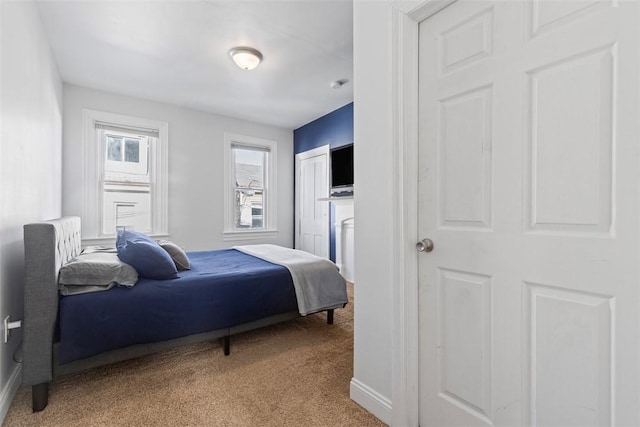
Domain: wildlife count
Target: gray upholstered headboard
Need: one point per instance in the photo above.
(48, 245)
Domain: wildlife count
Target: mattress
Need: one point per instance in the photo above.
(224, 288)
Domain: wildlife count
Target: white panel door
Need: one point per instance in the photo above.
(312, 215)
(529, 189)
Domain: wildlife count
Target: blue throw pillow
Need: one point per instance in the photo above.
(145, 255)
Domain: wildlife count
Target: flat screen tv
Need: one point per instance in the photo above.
(342, 170)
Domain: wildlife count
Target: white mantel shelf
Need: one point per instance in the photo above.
(344, 200)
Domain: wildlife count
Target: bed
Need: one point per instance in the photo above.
(224, 293)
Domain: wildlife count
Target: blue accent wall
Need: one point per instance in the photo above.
(335, 129)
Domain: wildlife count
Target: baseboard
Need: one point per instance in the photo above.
(9, 391)
(370, 400)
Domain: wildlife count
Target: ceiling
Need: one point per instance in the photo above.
(176, 52)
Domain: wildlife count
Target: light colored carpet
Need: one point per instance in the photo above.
(292, 374)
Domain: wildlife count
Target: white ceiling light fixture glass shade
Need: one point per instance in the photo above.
(246, 58)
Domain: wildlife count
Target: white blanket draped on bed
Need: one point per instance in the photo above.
(317, 282)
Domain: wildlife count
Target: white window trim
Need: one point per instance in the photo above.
(271, 227)
(93, 166)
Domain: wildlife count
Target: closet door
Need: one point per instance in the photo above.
(312, 215)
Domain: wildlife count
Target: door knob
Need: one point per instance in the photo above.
(425, 245)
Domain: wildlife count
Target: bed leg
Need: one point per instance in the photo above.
(39, 396)
(227, 345)
(330, 317)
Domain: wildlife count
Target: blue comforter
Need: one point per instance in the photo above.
(223, 288)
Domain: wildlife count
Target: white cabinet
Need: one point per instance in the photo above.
(344, 226)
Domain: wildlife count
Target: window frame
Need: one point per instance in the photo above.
(94, 160)
(270, 205)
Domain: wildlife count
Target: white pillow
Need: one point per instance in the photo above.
(95, 269)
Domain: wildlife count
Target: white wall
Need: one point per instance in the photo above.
(196, 168)
(373, 323)
(30, 159)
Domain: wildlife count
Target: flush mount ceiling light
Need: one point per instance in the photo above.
(246, 58)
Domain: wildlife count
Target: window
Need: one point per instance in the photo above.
(126, 171)
(250, 187)
(126, 179)
(249, 192)
(126, 152)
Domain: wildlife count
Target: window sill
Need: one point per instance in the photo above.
(228, 236)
